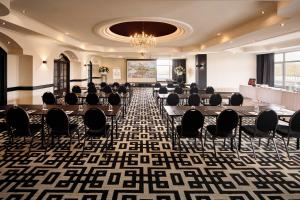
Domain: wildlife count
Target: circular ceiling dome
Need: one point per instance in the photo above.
(4, 7)
(157, 29)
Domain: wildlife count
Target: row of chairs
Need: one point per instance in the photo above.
(179, 89)
(265, 127)
(58, 124)
(72, 99)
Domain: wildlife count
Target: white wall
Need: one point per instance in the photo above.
(190, 69)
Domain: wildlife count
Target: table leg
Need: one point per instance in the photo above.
(173, 134)
(112, 130)
(298, 143)
(43, 131)
(168, 126)
(240, 133)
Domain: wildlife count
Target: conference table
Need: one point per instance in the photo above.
(71, 110)
(213, 111)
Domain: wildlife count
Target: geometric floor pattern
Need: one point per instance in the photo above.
(143, 165)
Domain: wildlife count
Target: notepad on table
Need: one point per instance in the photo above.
(2, 110)
(68, 112)
(253, 113)
(30, 111)
(218, 112)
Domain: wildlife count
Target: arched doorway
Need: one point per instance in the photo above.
(3, 77)
(61, 75)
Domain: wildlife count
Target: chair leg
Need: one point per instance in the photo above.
(237, 150)
(202, 146)
(273, 139)
(253, 148)
(205, 135)
(83, 146)
(215, 152)
(224, 142)
(259, 142)
(286, 148)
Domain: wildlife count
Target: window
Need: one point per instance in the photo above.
(164, 69)
(287, 70)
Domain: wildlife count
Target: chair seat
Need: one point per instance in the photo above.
(212, 129)
(33, 129)
(284, 132)
(98, 132)
(72, 128)
(187, 133)
(252, 131)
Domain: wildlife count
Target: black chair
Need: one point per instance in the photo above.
(194, 100)
(95, 125)
(236, 99)
(71, 98)
(92, 99)
(92, 89)
(173, 99)
(163, 90)
(265, 127)
(114, 99)
(194, 90)
(122, 89)
(103, 84)
(116, 85)
(107, 89)
(59, 125)
(182, 85)
(290, 131)
(49, 98)
(157, 85)
(191, 122)
(209, 90)
(226, 127)
(127, 85)
(91, 84)
(170, 85)
(193, 85)
(178, 90)
(76, 89)
(215, 99)
(18, 125)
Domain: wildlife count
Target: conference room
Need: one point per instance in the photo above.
(143, 99)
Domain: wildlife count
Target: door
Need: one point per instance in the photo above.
(61, 75)
(3, 77)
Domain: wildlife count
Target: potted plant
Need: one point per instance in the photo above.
(103, 70)
(179, 70)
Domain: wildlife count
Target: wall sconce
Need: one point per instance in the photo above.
(44, 61)
(201, 66)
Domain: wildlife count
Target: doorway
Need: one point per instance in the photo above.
(61, 75)
(3, 77)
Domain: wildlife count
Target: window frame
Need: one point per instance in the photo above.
(169, 65)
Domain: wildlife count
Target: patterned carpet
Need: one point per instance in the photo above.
(142, 165)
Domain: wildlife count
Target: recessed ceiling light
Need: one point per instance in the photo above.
(230, 41)
(67, 33)
(219, 34)
(24, 11)
(8, 42)
(282, 24)
(262, 12)
(3, 23)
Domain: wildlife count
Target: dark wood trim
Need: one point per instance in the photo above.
(3, 77)
(38, 87)
(97, 77)
(78, 80)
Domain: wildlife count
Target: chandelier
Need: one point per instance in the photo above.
(142, 41)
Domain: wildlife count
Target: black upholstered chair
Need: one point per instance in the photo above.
(265, 127)
(114, 99)
(49, 98)
(122, 89)
(163, 90)
(76, 89)
(194, 100)
(209, 90)
(182, 85)
(59, 125)
(290, 131)
(178, 90)
(193, 85)
(215, 100)
(173, 99)
(92, 99)
(225, 127)
(194, 90)
(92, 89)
(127, 85)
(91, 84)
(191, 126)
(71, 98)
(157, 85)
(107, 89)
(95, 126)
(116, 85)
(103, 84)
(236, 99)
(19, 125)
(170, 85)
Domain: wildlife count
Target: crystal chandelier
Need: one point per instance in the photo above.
(142, 41)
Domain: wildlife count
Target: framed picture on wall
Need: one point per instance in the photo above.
(116, 73)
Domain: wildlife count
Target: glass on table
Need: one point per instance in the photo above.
(110, 108)
(80, 107)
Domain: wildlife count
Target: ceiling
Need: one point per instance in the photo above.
(215, 25)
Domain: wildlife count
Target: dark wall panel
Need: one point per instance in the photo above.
(201, 70)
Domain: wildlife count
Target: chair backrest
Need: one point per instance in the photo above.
(193, 85)
(194, 100)
(178, 90)
(92, 89)
(170, 85)
(76, 89)
(49, 98)
(57, 120)
(209, 90)
(90, 84)
(114, 99)
(107, 89)
(157, 85)
(103, 84)
(92, 99)
(17, 118)
(94, 119)
(182, 85)
(116, 84)
(227, 121)
(267, 121)
(191, 122)
(122, 89)
(127, 85)
(236, 99)
(173, 99)
(163, 90)
(294, 123)
(215, 99)
(194, 90)
(71, 98)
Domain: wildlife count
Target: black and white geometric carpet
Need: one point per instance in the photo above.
(142, 165)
